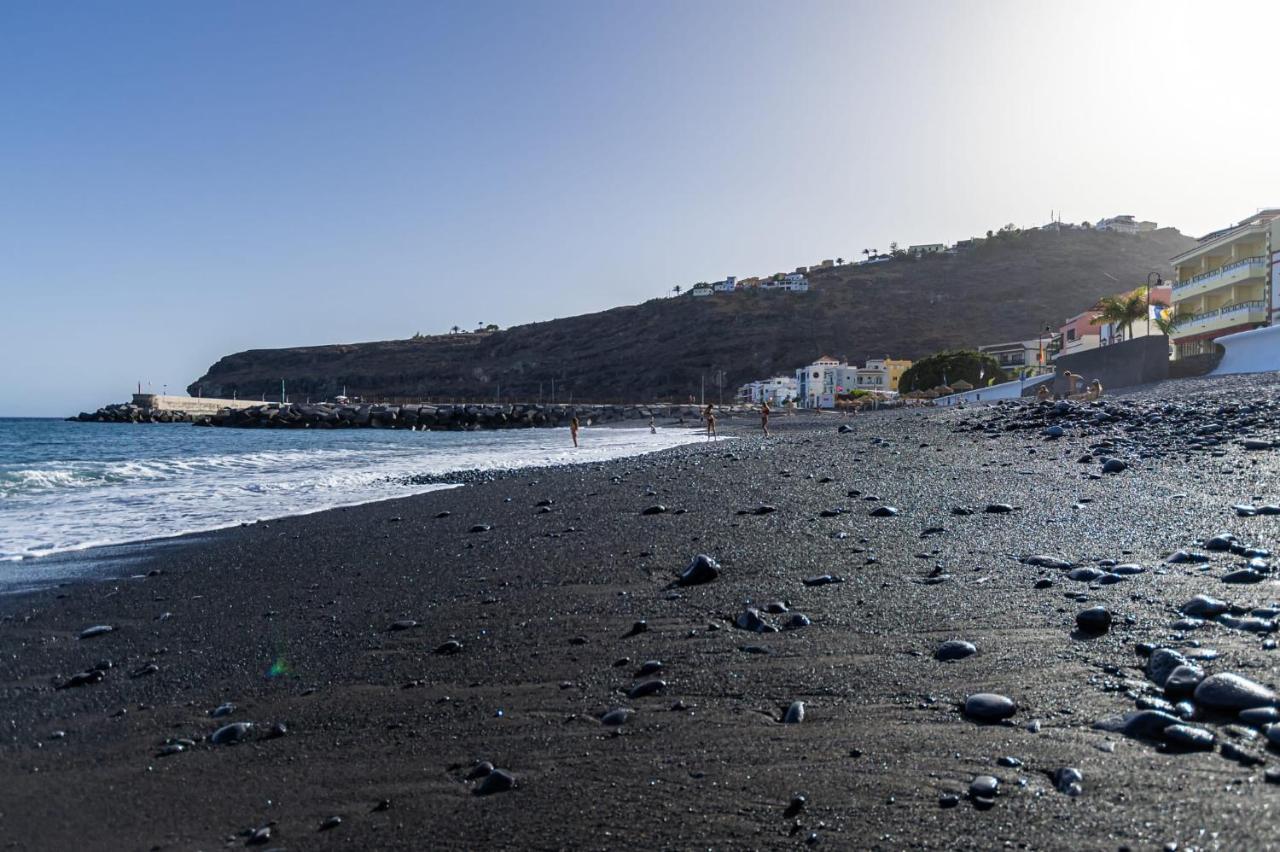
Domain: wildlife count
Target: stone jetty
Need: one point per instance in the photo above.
(421, 417)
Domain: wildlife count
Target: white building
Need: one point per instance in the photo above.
(728, 285)
(816, 384)
(776, 391)
(926, 248)
(701, 290)
(793, 283)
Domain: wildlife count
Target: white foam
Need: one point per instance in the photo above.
(53, 506)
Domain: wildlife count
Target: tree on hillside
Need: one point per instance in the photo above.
(454, 329)
(676, 289)
(973, 367)
(839, 261)
(1122, 311)
(867, 252)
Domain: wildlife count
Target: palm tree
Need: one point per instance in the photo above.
(454, 330)
(1122, 311)
(839, 261)
(676, 289)
(867, 252)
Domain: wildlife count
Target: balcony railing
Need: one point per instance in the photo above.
(1188, 324)
(1221, 271)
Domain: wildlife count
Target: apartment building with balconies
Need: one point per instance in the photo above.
(1223, 283)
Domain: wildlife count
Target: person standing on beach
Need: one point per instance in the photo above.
(653, 429)
(764, 417)
(710, 416)
(573, 429)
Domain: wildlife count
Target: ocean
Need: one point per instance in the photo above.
(73, 486)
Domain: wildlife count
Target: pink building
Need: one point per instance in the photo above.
(1080, 332)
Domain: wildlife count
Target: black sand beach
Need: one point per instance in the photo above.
(291, 621)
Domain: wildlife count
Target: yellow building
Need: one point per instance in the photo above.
(1222, 283)
(881, 374)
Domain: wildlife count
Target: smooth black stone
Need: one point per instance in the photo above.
(234, 733)
(794, 714)
(647, 687)
(1228, 691)
(1189, 737)
(479, 528)
(1095, 620)
(883, 512)
(954, 649)
(450, 646)
(654, 510)
(822, 580)
(989, 707)
(96, 630)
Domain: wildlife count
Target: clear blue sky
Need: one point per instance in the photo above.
(183, 180)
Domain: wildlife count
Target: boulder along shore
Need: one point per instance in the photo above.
(939, 629)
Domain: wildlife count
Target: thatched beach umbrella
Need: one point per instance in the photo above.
(943, 390)
(962, 385)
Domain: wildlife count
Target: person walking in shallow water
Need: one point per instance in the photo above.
(710, 416)
(764, 417)
(573, 429)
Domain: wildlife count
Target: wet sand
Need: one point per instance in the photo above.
(291, 620)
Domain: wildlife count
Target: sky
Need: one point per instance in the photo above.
(180, 181)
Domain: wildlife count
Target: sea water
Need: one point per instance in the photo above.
(70, 486)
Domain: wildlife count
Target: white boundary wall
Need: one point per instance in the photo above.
(994, 393)
(1253, 351)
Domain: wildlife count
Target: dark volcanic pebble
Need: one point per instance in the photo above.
(822, 580)
(1203, 606)
(883, 512)
(479, 528)
(796, 621)
(794, 714)
(96, 630)
(234, 733)
(989, 707)
(497, 781)
(649, 667)
(1114, 466)
(1095, 620)
(331, 822)
(954, 649)
(404, 624)
(82, 679)
(998, 509)
(1189, 737)
(1227, 691)
(1182, 681)
(702, 569)
(449, 646)
(615, 717)
(647, 687)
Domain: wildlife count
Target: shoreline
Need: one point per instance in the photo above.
(291, 621)
(418, 482)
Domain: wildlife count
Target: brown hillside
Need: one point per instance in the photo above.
(1003, 290)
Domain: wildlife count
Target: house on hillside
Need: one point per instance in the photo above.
(1225, 282)
(1124, 224)
(728, 285)
(702, 289)
(926, 248)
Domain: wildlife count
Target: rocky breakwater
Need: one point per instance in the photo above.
(127, 412)
(436, 417)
